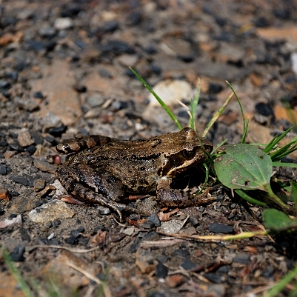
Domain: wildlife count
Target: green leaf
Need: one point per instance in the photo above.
(276, 220)
(244, 167)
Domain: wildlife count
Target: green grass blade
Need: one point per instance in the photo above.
(193, 107)
(275, 140)
(218, 147)
(280, 164)
(283, 151)
(248, 198)
(282, 283)
(17, 275)
(245, 122)
(216, 115)
(161, 102)
(245, 130)
(293, 293)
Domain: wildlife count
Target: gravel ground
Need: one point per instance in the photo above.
(64, 71)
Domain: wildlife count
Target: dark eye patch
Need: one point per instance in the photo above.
(188, 154)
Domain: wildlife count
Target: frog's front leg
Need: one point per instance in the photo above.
(91, 186)
(176, 197)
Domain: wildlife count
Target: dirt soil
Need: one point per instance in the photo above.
(64, 71)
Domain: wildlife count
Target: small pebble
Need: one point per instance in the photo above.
(48, 224)
(4, 194)
(104, 73)
(55, 209)
(13, 75)
(71, 240)
(223, 269)
(194, 221)
(154, 219)
(39, 184)
(128, 60)
(18, 254)
(214, 277)
(242, 258)
(161, 270)
(221, 228)
(75, 234)
(264, 109)
(31, 149)
(145, 261)
(116, 47)
(218, 290)
(51, 139)
(56, 223)
(170, 91)
(4, 85)
(37, 137)
(215, 88)
(147, 225)
(57, 131)
(16, 147)
(25, 234)
(95, 100)
(80, 88)
(188, 265)
(134, 18)
(63, 23)
(51, 236)
(21, 180)
(151, 236)
(9, 154)
(44, 166)
(38, 95)
(268, 272)
(47, 32)
(110, 26)
(173, 226)
(182, 253)
(49, 121)
(24, 138)
(103, 210)
(157, 294)
(3, 169)
(174, 280)
(25, 14)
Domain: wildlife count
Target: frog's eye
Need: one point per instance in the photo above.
(188, 154)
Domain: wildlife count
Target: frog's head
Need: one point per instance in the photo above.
(186, 150)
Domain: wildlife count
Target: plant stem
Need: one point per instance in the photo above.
(276, 199)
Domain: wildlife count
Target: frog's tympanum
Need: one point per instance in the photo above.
(102, 170)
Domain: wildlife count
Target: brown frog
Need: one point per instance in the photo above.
(102, 170)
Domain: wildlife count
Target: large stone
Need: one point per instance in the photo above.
(57, 83)
(53, 210)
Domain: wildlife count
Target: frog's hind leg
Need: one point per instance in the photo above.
(85, 194)
(78, 144)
